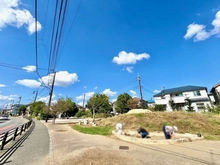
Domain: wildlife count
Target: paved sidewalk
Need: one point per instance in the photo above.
(71, 147)
(34, 149)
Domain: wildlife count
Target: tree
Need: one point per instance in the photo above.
(121, 104)
(99, 103)
(189, 104)
(133, 103)
(63, 106)
(71, 108)
(22, 110)
(38, 108)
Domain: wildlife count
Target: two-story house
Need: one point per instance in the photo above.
(181, 96)
(216, 93)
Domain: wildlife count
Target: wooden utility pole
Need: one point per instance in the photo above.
(51, 94)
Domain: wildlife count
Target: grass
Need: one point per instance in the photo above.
(99, 130)
(206, 124)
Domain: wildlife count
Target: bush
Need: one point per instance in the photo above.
(159, 107)
(83, 113)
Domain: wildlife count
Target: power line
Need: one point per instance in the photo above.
(51, 43)
(74, 18)
(125, 84)
(15, 66)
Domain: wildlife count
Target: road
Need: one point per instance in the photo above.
(12, 122)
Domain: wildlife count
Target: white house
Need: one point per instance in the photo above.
(197, 95)
(215, 91)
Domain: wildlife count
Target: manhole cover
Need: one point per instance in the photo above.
(61, 130)
(124, 147)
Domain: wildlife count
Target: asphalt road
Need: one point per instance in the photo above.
(12, 122)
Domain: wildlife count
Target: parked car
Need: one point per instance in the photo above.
(4, 117)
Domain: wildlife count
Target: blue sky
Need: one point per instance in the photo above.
(105, 45)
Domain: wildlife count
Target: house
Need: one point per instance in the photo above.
(215, 91)
(181, 97)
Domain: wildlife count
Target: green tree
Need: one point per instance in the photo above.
(190, 108)
(99, 103)
(22, 110)
(70, 108)
(38, 108)
(121, 104)
(63, 106)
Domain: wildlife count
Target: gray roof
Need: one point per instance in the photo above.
(179, 90)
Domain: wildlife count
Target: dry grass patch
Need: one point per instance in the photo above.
(206, 124)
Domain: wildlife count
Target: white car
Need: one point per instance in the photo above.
(4, 117)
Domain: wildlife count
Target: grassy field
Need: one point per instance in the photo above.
(206, 124)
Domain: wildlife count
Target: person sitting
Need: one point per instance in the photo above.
(143, 132)
(169, 131)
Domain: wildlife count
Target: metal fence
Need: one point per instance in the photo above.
(11, 134)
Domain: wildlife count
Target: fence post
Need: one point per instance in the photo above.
(15, 134)
(21, 129)
(4, 140)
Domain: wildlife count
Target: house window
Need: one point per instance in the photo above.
(200, 106)
(197, 93)
(178, 94)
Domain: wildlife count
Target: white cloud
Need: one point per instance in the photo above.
(199, 32)
(29, 68)
(63, 79)
(13, 15)
(133, 93)
(129, 69)
(46, 99)
(157, 91)
(11, 97)
(113, 100)
(80, 103)
(129, 58)
(29, 83)
(96, 88)
(87, 96)
(108, 92)
(2, 85)
(216, 24)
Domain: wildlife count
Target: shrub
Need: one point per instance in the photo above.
(159, 107)
(83, 113)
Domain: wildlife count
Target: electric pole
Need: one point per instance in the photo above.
(84, 96)
(139, 82)
(36, 93)
(19, 100)
(51, 94)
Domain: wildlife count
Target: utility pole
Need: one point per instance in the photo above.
(51, 94)
(84, 96)
(139, 82)
(19, 100)
(18, 105)
(36, 93)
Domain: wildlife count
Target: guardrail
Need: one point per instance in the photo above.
(11, 134)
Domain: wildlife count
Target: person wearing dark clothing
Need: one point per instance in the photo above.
(169, 131)
(143, 132)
